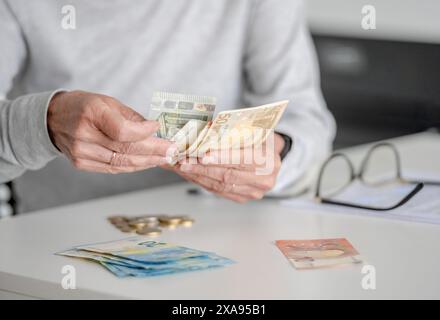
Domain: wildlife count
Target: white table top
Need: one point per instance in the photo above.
(406, 255)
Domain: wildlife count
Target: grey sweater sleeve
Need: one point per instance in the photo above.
(280, 63)
(24, 139)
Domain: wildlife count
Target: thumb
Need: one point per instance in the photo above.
(118, 128)
(130, 114)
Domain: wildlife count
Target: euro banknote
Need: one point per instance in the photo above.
(142, 257)
(174, 110)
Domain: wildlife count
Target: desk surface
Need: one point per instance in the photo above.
(406, 255)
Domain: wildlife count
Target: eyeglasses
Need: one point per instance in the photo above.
(367, 177)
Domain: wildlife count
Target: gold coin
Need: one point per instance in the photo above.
(136, 224)
(152, 224)
(187, 222)
(126, 229)
(120, 224)
(116, 219)
(168, 226)
(170, 220)
(152, 232)
(148, 219)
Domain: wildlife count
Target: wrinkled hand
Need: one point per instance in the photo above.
(237, 178)
(99, 133)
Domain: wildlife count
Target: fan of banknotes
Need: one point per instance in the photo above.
(187, 120)
(141, 257)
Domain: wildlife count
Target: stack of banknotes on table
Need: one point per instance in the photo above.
(142, 257)
(188, 121)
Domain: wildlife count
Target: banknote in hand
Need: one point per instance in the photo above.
(174, 110)
(187, 121)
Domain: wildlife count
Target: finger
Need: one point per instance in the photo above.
(245, 159)
(156, 146)
(246, 191)
(90, 151)
(127, 160)
(231, 176)
(223, 174)
(149, 146)
(189, 177)
(118, 128)
(127, 112)
(95, 166)
(131, 114)
(212, 186)
(235, 197)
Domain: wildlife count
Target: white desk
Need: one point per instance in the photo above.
(406, 255)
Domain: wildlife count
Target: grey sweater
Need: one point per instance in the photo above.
(243, 52)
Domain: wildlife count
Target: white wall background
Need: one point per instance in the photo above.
(406, 20)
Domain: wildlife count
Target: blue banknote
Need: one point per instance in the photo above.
(143, 257)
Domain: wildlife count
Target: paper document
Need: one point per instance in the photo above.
(423, 207)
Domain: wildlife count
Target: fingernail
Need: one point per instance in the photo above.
(186, 167)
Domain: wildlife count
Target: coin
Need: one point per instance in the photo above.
(137, 225)
(120, 223)
(116, 219)
(168, 226)
(166, 220)
(152, 224)
(126, 228)
(144, 222)
(152, 232)
(149, 224)
(187, 222)
(148, 218)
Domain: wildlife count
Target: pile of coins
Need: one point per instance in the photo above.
(149, 225)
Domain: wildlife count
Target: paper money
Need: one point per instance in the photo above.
(141, 257)
(187, 120)
(241, 128)
(174, 110)
(310, 254)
